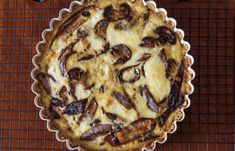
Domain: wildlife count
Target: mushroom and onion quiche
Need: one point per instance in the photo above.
(112, 75)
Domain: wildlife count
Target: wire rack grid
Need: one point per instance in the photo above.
(209, 26)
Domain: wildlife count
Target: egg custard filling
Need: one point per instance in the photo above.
(112, 76)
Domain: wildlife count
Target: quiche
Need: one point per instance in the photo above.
(112, 75)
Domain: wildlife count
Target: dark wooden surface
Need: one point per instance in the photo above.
(209, 27)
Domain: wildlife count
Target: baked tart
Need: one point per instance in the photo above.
(112, 75)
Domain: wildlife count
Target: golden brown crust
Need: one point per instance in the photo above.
(178, 78)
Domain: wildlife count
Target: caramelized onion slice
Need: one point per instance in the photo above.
(171, 68)
(123, 99)
(75, 21)
(43, 79)
(134, 131)
(65, 54)
(96, 131)
(151, 102)
(90, 110)
(175, 99)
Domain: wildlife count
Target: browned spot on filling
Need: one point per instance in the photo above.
(109, 102)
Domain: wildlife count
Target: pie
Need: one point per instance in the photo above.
(112, 75)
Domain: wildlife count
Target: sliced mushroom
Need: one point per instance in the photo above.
(66, 53)
(175, 99)
(166, 35)
(86, 85)
(126, 23)
(117, 127)
(71, 25)
(81, 77)
(121, 53)
(100, 28)
(75, 21)
(148, 42)
(90, 110)
(77, 74)
(129, 74)
(72, 85)
(144, 57)
(63, 93)
(96, 131)
(134, 131)
(75, 107)
(57, 102)
(163, 56)
(87, 57)
(95, 122)
(109, 115)
(142, 69)
(171, 68)
(151, 102)
(53, 113)
(86, 13)
(63, 63)
(112, 14)
(123, 99)
(44, 79)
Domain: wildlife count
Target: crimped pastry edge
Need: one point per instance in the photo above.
(188, 62)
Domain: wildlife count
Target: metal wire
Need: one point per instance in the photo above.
(209, 123)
